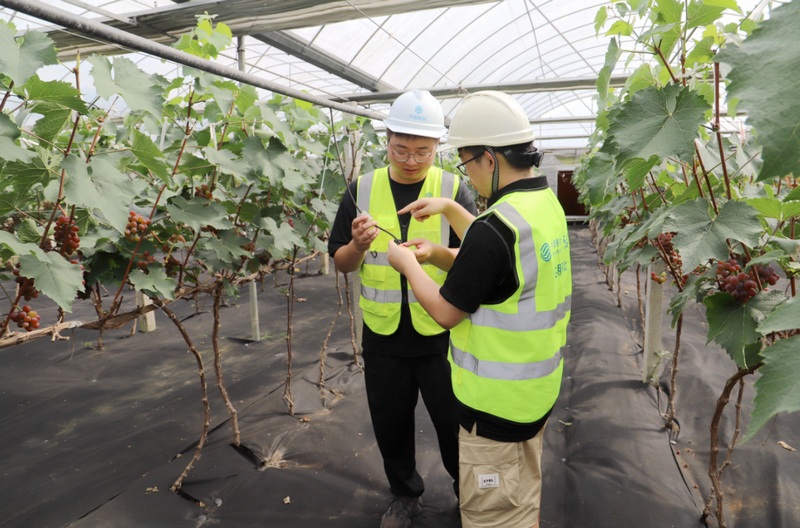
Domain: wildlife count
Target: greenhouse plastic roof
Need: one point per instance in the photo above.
(546, 52)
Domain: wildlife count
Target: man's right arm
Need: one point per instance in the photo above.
(349, 257)
(351, 235)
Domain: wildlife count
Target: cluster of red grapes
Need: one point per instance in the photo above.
(204, 191)
(145, 261)
(661, 279)
(136, 227)
(66, 236)
(26, 318)
(741, 285)
(665, 242)
(26, 289)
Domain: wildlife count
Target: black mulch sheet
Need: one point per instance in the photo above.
(95, 438)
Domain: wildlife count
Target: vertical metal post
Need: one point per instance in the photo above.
(240, 52)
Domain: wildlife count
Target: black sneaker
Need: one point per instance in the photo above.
(400, 512)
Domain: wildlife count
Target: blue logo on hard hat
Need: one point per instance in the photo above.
(546, 255)
(418, 109)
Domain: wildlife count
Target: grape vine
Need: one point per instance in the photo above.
(199, 188)
(665, 183)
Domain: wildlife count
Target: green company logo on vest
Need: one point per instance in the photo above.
(545, 252)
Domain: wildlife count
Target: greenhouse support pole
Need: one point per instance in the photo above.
(127, 40)
(653, 321)
(255, 329)
(240, 53)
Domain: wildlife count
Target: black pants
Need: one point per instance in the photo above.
(393, 385)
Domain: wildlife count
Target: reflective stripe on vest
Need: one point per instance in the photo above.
(505, 371)
(381, 296)
(507, 358)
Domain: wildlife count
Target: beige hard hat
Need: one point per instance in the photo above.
(489, 118)
(417, 113)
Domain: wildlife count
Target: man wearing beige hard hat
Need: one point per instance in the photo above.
(506, 301)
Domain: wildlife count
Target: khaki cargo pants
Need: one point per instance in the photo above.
(500, 482)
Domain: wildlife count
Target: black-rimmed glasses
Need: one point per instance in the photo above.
(462, 167)
(419, 157)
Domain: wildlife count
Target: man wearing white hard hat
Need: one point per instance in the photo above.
(404, 349)
(507, 301)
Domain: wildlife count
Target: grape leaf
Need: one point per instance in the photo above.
(733, 325)
(773, 208)
(136, 87)
(612, 56)
(700, 13)
(22, 248)
(150, 155)
(58, 92)
(601, 177)
(667, 15)
(8, 129)
(54, 276)
(10, 151)
(777, 389)
(154, 283)
(793, 195)
(28, 231)
(701, 237)
(284, 238)
(636, 171)
(785, 317)
(99, 185)
(727, 4)
(658, 122)
(23, 56)
(25, 176)
(228, 162)
(13, 202)
(228, 246)
(197, 214)
(274, 163)
(54, 118)
(764, 77)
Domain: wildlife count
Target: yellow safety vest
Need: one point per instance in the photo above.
(507, 358)
(381, 295)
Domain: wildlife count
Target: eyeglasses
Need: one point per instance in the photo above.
(462, 167)
(403, 157)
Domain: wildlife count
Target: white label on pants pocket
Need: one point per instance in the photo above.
(490, 480)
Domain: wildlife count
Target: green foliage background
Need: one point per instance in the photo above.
(660, 165)
(233, 185)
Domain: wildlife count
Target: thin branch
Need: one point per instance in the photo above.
(7, 95)
(219, 292)
(176, 486)
(707, 179)
(713, 472)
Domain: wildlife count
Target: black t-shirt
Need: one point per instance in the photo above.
(484, 272)
(406, 341)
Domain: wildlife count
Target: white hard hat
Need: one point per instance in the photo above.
(417, 113)
(489, 118)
